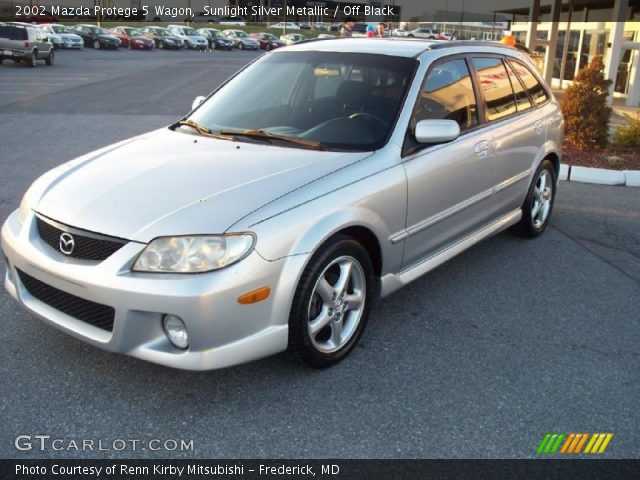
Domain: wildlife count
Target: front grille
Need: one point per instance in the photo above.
(96, 314)
(86, 247)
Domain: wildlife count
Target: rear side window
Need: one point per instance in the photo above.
(447, 94)
(13, 33)
(534, 87)
(522, 98)
(496, 87)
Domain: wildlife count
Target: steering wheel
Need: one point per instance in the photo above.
(368, 116)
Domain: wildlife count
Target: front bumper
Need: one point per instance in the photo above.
(222, 332)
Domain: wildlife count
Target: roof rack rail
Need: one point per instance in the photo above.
(468, 43)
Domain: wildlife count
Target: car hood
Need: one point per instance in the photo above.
(174, 183)
(70, 36)
(141, 38)
(108, 37)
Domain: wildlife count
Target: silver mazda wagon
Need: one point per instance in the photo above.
(316, 180)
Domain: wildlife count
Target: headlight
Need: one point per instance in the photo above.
(194, 254)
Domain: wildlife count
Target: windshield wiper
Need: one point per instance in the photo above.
(202, 130)
(263, 134)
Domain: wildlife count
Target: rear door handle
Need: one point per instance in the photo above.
(539, 127)
(482, 148)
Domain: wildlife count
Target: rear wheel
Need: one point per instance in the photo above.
(33, 60)
(332, 303)
(161, 44)
(129, 45)
(538, 205)
(267, 47)
(96, 44)
(49, 60)
(240, 45)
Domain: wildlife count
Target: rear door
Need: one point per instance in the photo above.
(517, 128)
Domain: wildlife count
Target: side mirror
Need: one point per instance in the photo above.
(197, 102)
(437, 131)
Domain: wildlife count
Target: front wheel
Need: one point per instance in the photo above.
(96, 44)
(332, 303)
(538, 205)
(240, 46)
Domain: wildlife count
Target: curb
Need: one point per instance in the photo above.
(600, 176)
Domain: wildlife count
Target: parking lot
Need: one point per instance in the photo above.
(480, 358)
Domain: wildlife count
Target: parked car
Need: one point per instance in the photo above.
(292, 38)
(351, 169)
(216, 39)
(61, 36)
(321, 26)
(133, 38)
(96, 37)
(287, 25)
(427, 33)
(305, 26)
(204, 17)
(325, 36)
(241, 40)
(190, 36)
(24, 43)
(335, 27)
(162, 37)
(234, 21)
(267, 41)
(399, 32)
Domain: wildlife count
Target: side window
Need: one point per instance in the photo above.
(522, 98)
(447, 94)
(496, 87)
(531, 83)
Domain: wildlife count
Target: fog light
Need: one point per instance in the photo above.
(175, 331)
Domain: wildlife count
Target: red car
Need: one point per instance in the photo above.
(267, 41)
(133, 38)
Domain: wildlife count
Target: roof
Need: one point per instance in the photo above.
(399, 47)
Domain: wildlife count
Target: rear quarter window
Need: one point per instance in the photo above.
(13, 33)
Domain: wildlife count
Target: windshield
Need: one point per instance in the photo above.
(241, 34)
(271, 37)
(161, 33)
(344, 101)
(190, 31)
(60, 29)
(133, 32)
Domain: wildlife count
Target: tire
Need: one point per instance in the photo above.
(49, 60)
(129, 45)
(240, 46)
(1, 60)
(96, 44)
(538, 204)
(33, 60)
(339, 314)
(411, 36)
(267, 47)
(160, 44)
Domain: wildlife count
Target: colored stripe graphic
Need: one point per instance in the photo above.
(573, 443)
(598, 443)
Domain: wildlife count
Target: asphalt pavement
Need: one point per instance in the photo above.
(480, 358)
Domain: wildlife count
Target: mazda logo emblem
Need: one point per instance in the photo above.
(67, 243)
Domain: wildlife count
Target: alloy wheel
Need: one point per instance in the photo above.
(542, 198)
(337, 304)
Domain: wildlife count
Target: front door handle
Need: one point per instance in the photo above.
(482, 148)
(539, 127)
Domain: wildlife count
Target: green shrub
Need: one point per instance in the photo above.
(585, 108)
(628, 135)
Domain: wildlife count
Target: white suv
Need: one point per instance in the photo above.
(190, 36)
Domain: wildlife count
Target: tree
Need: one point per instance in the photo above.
(585, 109)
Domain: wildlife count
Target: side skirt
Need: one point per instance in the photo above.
(394, 281)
